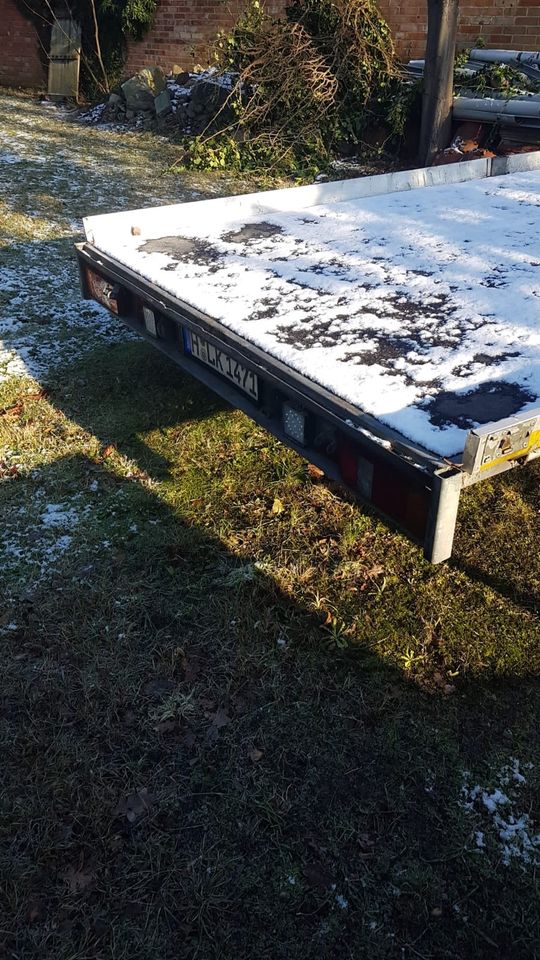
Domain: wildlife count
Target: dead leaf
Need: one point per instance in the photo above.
(375, 571)
(207, 703)
(314, 472)
(277, 506)
(166, 726)
(221, 718)
(13, 411)
(255, 754)
(192, 668)
(135, 806)
(79, 878)
(38, 394)
(34, 912)
(107, 452)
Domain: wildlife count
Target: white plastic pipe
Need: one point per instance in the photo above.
(532, 58)
(526, 112)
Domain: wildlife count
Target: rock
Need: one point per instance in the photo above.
(115, 99)
(182, 115)
(181, 77)
(141, 90)
(194, 109)
(162, 103)
(208, 96)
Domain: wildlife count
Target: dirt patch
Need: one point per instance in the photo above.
(253, 231)
(488, 403)
(183, 249)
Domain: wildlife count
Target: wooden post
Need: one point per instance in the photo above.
(438, 78)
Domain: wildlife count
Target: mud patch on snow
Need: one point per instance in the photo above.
(253, 231)
(183, 250)
(487, 403)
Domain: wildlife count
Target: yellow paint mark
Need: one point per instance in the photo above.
(534, 441)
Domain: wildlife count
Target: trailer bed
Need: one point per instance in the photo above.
(420, 308)
(388, 333)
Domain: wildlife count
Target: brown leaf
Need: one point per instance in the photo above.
(107, 452)
(375, 571)
(314, 472)
(192, 669)
(8, 470)
(79, 878)
(34, 912)
(207, 703)
(38, 394)
(166, 726)
(221, 718)
(135, 806)
(255, 754)
(13, 411)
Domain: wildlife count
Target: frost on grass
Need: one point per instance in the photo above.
(500, 823)
(52, 172)
(36, 538)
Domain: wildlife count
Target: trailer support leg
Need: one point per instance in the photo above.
(442, 516)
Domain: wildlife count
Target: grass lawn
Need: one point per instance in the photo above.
(240, 718)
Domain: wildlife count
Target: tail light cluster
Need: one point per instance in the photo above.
(109, 294)
(404, 499)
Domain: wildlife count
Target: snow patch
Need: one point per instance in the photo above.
(420, 308)
(500, 822)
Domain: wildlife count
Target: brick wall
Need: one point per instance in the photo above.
(504, 24)
(184, 30)
(20, 61)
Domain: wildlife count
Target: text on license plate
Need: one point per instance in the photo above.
(222, 363)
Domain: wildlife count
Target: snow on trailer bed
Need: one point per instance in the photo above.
(421, 308)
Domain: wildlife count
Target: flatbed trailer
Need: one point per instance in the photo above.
(312, 309)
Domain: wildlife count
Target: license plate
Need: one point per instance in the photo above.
(222, 363)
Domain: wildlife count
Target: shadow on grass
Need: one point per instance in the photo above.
(192, 767)
(170, 398)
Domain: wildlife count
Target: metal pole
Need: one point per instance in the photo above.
(442, 517)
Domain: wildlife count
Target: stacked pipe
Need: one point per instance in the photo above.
(520, 110)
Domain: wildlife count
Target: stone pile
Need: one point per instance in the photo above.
(189, 103)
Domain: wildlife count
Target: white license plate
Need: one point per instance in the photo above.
(222, 363)
(150, 321)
